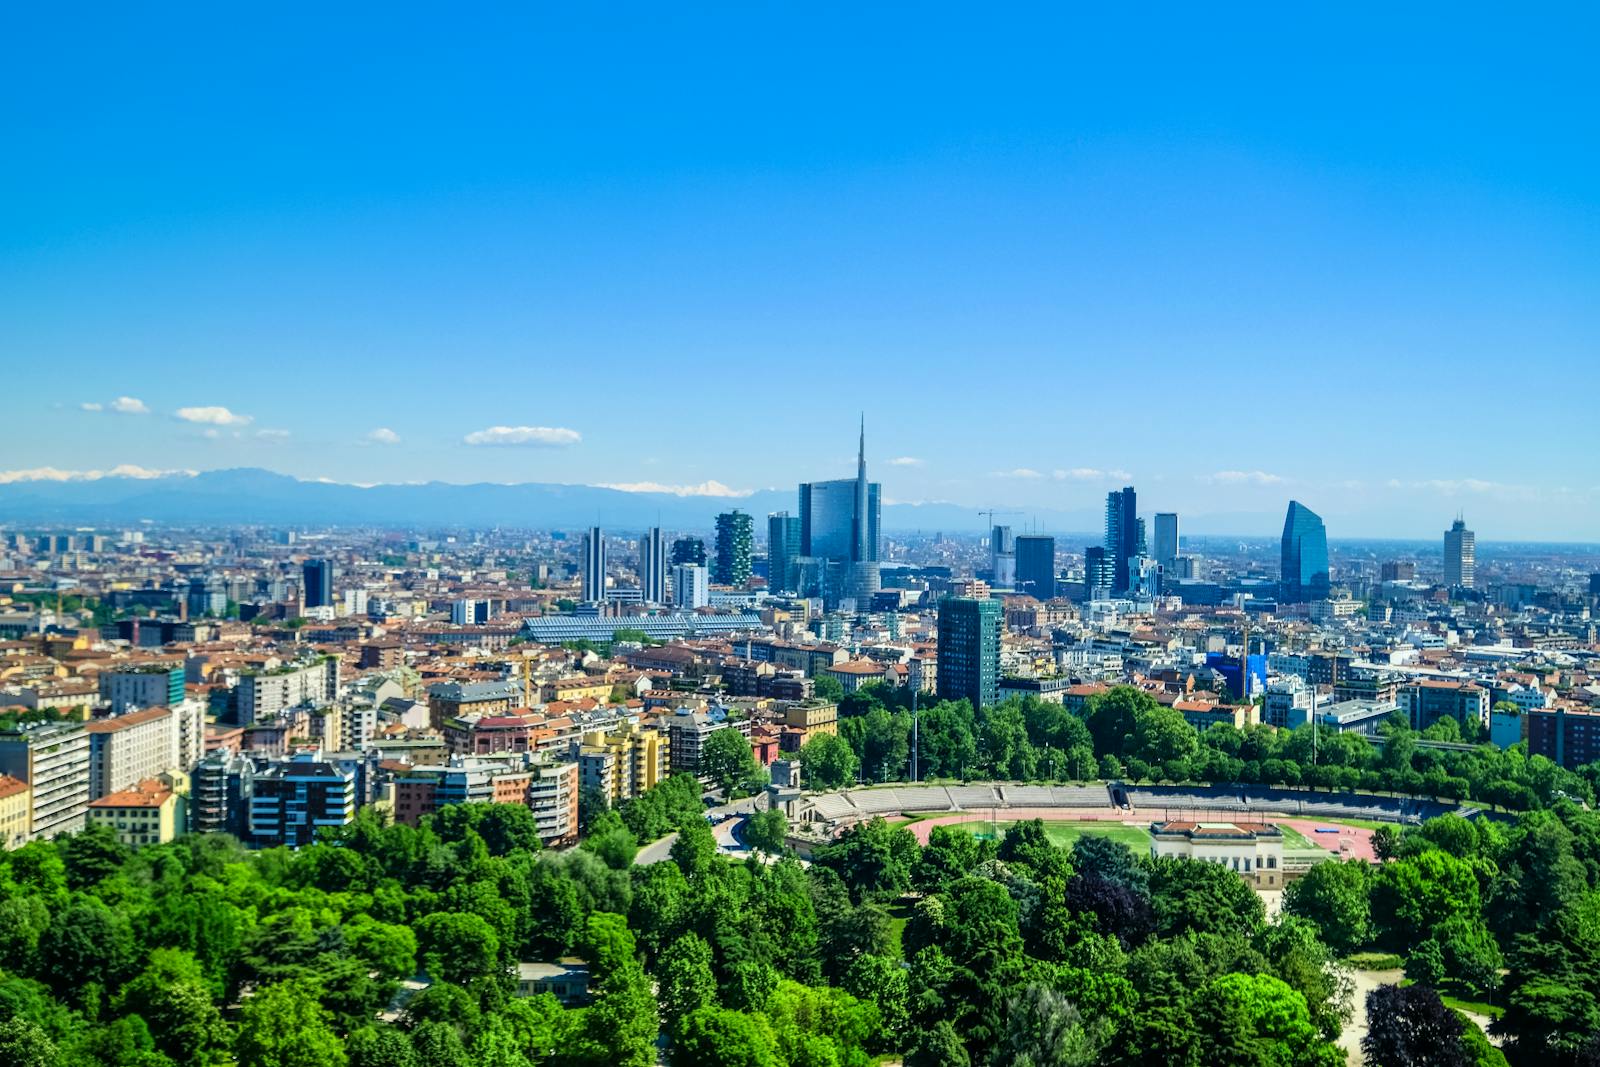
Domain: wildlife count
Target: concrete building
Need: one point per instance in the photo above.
(1460, 556)
(220, 791)
(1253, 850)
(145, 686)
(128, 749)
(592, 567)
(691, 586)
(1427, 701)
(16, 812)
(1286, 703)
(53, 759)
(653, 566)
(624, 761)
(264, 694)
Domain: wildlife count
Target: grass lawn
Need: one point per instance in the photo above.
(899, 915)
(1064, 833)
(1477, 1007)
(1294, 839)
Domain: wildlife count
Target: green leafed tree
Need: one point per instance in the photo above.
(283, 1025)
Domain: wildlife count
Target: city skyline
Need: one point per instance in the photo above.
(284, 286)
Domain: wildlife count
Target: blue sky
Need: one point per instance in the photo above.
(1232, 259)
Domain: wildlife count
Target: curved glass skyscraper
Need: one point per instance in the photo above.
(1305, 556)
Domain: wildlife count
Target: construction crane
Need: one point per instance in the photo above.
(992, 512)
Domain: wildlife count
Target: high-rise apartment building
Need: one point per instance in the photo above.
(783, 548)
(1166, 546)
(1036, 565)
(1460, 556)
(689, 550)
(691, 587)
(1122, 535)
(653, 566)
(317, 577)
(263, 694)
(53, 759)
(126, 749)
(839, 527)
(1002, 557)
(735, 541)
(969, 650)
(1304, 574)
(592, 567)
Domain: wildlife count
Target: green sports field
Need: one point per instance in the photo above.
(1064, 833)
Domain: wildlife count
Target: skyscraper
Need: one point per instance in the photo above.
(318, 579)
(1460, 555)
(1166, 546)
(1098, 573)
(1304, 576)
(839, 526)
(653, 566)
(1002, 557)
(688, 550)
(735, 540)
(592, 575)
(969, 650)
(1122, 535)
(783, 547)
(1036, 565)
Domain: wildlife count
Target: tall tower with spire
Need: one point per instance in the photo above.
(839, 530)
(860, 553)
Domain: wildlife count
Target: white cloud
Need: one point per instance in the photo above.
(383, 436)
(1020, 472)
(273, 435)
(213, 416)
(905, 461)
(707, 488)
(53, 474)
(536, 436)
(1090, 474)
(129, 405)
(92, 406)
(1245, 477)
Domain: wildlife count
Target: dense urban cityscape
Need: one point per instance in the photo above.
(302, 688)
(799, 536)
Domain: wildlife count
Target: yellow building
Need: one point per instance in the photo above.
(16, 812)
(151, 813)
(583, 688)
(623, 762)
(813, 716)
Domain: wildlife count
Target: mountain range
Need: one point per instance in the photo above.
(255, 496)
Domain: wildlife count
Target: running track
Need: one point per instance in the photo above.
(1356, 841)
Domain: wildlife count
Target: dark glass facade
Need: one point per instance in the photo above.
(969, 650)
(1123, 535)
(1036, 565)
(1304, 576)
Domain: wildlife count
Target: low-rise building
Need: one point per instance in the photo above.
(16, 812)
(149, 813)
(1253, 850)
